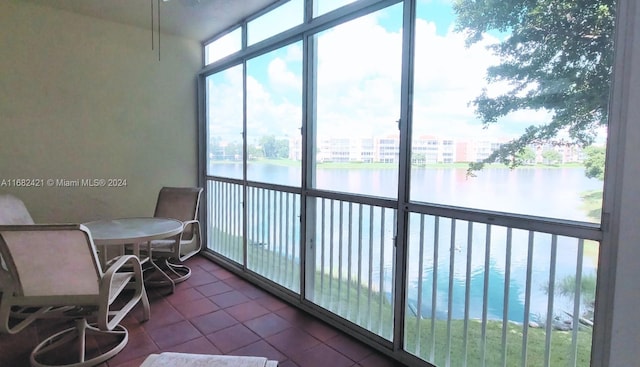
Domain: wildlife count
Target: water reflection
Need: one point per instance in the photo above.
(543, 192)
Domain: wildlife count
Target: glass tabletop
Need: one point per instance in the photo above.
(132, 230)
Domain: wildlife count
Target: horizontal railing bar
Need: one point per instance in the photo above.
(236, 181)
(274, 187)
(260, 185)
(358, 199)
(559, 227)
(587, 231)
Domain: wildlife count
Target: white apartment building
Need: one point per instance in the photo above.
(426, 149)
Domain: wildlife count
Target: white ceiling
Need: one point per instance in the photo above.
(195, 19)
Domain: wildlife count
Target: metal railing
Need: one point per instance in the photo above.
(225, 220)
(273, 236)
(354, 257)
(487, 295)
(478, 292)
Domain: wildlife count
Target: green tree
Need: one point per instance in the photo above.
(282, 148)
(550, 156)
(594, 168)
(268, 144)
(594, 163)
(557, 57)
(274, 148)
(254, 152)
(233, 151)
(526, 156)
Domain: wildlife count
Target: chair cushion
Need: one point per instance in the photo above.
(169, 359)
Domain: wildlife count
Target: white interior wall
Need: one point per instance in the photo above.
(82, 98)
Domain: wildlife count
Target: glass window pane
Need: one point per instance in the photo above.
(224, 123)
(448, 134)
(325, 6)
(223, 46)
(274, 116)
(358, 105)
(286, 16)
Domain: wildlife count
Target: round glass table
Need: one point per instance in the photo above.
(127, 231)
(116, 235)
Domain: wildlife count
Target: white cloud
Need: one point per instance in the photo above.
(359, 69)
(294, 52)
(225, 104)
(358, 84)
(357, 50)
(281, 78)
(265, 116)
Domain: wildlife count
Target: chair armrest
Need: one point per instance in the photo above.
(196, 230)
(117, 264)
(120, 262)
(190, 222)
(195, 233)
(108, 294)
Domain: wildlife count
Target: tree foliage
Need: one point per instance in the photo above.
(550, 156)
(525, 156)
(274, 148)
(594, 163)
(568, 286)
(557, 57)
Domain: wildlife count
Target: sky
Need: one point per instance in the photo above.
(358, 76)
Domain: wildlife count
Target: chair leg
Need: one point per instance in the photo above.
(171, 273)
(181, 271)
(146, 308)
(78, 332)
(165, 280)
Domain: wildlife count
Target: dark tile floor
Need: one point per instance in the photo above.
(216, 312)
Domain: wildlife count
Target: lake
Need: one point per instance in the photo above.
(545, 192)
